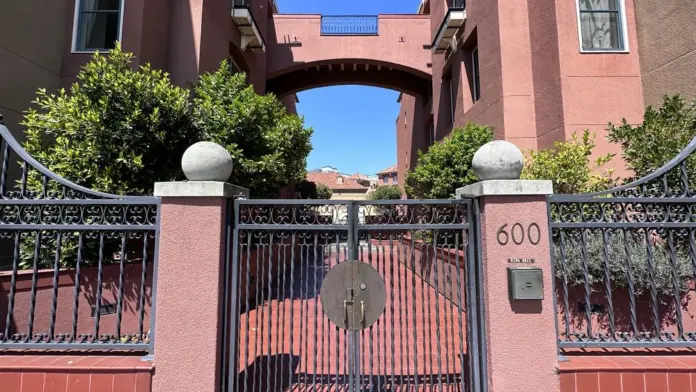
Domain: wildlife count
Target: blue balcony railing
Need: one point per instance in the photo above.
(350, 25)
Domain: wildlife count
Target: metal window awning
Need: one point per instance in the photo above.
(454, 20)
(251, 37)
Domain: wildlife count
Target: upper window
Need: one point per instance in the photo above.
(476, 82)
(602, 25)
(97, 24)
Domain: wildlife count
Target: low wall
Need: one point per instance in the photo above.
(85, 304)
(632, 373)
(30, 373)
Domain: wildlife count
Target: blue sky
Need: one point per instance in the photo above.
(354, 126)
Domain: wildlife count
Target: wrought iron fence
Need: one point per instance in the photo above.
(284, 251)
(78, 266)
(625, 261)
(350, 25)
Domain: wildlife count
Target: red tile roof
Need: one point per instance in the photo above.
(390, 169)
(330, 179)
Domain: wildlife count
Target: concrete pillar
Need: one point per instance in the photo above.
(189, 335)
(520, 333)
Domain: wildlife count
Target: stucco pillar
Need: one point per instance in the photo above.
(520, 333)
(189, 332)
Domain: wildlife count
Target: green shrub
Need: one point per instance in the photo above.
(385, 192)
(446, 165)
(119, 130)
(324, 192)
(662, 135)
(616, 252)
(568, 166)
(306, 189)
(269, 146)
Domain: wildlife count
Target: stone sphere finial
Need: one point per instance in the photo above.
(498, 160)
(206, 161)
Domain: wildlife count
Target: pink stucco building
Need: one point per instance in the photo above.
(536, 71)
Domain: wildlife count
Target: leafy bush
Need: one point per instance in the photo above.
(385, 192)
(306, 189)
(568, 166)
(616, 250)
(324, 192)
(446, 165)
(269, 146)
(662, 135)
(119, 130)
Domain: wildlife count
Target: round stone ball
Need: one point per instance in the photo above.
(206, 161)
(498, 160)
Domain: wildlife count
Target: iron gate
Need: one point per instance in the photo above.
(427, 332)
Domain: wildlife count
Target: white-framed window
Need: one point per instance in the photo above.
(234, 68)
(475, 76)
(602, 25)
(97, 24)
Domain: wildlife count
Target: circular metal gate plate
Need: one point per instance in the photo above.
(353, 295)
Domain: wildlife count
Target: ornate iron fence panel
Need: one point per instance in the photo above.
(76, 266)
(625, 261)
(284, 251)
(350, 25)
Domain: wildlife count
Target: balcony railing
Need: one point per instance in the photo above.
(350, 25)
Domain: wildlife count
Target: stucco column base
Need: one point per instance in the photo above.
(188, 320)
(520, 334)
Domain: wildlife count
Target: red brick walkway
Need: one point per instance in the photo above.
(286, 343)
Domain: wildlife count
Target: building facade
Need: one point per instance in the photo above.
(535, 71)
(388, 176)
(43, 44)
(343, 186)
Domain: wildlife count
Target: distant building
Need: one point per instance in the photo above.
(342, 185)
(388, 176)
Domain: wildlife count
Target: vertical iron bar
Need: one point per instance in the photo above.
(437, 310)
(448, 304)
(586, 275)
(231, 291)
(258, 288)
(268, 306)
(353, 337)
(34, 278)
(143, 279)
(607, 285)
(5, 168)
(370, 354)
(391, 304)
(653, 288)
(675, 285)
(425, 301)
(315, 296)
(280, 305)
(399, 255)
(291, 322)
(414, 300)
(564, 277)
(100, 272)
(76, 304)
(631, 288)
(460, 327)
(155, 263)
(247, 306)
(54, 296)
(121, 289)
(13, 282)
(305, 308)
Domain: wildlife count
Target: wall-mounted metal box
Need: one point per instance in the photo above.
(525, 283)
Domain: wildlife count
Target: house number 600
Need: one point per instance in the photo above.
(517, 234)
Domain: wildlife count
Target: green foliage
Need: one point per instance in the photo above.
(446, 165)
(568, 165)
(306, 189)
(268, 145)
(662, 135)
(385, 192)
(616, 252)
(324, 192)
(119, 130)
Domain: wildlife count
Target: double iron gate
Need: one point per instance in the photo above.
(354, 295)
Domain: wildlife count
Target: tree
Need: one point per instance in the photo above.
(446, 165)
(306, 189)
(385, 192)
(324, 192)
(568, 166)
(662, 135)
(119, 130)
(268, 145)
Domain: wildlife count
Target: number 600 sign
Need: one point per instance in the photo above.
(517, 234)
